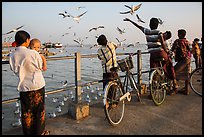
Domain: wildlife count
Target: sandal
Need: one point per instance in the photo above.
(46, 132)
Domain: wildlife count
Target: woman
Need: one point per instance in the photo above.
(27, 65)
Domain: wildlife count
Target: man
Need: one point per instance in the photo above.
(107, 55)
(157, 47)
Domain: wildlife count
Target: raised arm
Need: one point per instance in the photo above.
(134, 23)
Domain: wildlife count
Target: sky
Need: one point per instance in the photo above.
(42, 20)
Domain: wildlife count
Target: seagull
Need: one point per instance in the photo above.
(64, 14)
(78, 8)
(95, 28)
(132, 9)
(65, 34)
(13, 30)
(59, 109)
(120, 42)
(139, 20)
(79, 42)
(52, 115)
(160, 21)
(121, 31)
(77, 18)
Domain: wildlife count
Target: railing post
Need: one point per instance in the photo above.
(78, 110)
(139, 69)
(77, 77)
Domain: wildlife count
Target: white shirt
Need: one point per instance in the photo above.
(27, 65)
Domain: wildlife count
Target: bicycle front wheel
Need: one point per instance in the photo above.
(196, 81)
(157, 87)
(113, 107)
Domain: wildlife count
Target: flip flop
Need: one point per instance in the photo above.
(46, 132)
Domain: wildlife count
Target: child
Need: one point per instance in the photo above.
(35, 44)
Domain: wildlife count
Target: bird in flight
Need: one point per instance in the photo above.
(139, 19)
(78, 8)
(132, 9)
(120, 41)
(13, 30)
(64, 14)
(121, 31)
(79, 42)
(65, 34)
(77, 18)
(95, 28)
(160, 21)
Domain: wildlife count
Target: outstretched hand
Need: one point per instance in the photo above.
(126, 19)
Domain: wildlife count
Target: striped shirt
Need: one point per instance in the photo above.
(107, 55)
(152, 38)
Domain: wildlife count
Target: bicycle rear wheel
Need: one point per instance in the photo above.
(157, 87)
(196, 81)
(114, 109)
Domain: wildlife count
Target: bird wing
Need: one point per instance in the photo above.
(139, 18)
(119, 29)
(77, 41)
(91, 29)
(128, 6)
(62, 14)
(8, 32)
(125, 12)
(117, 40)
(100, 26)
(137, 7)
(19, 27)
(82, 14)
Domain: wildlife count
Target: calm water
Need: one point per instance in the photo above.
(62, 70)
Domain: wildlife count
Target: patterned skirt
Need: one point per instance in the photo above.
(33, 111)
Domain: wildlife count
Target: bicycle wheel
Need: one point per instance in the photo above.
(114, 109)
(196, 81)
(157, 87)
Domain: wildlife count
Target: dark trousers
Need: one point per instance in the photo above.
(33, 111)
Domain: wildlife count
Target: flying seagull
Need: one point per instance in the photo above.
(78, 8)
(13, 30)
(79, 42)
(95, 28)
(65, 34)
(64, 14)
(77, 18)
(132, 9)
(139, 20)
(121, 31)
(120, 41)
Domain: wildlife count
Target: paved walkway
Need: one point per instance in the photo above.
(178, 115)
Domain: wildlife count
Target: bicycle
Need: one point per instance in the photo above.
(196, 81)
(159, 84)
(115, 93)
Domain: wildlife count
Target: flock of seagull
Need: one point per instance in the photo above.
(65, 14)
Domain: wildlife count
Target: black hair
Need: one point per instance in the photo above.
(21, 37)
(168, 34)
(154, 22)
(181, 33)
(102, 40)
(196, 39)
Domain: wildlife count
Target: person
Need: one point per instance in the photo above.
(27, 64)
(196, 53)
(181, 48)
(35, 44)
(158, 49)
(107, 54)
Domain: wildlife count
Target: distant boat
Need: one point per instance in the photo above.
(58, 45)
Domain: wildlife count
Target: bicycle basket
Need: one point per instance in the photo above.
(125, 64)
